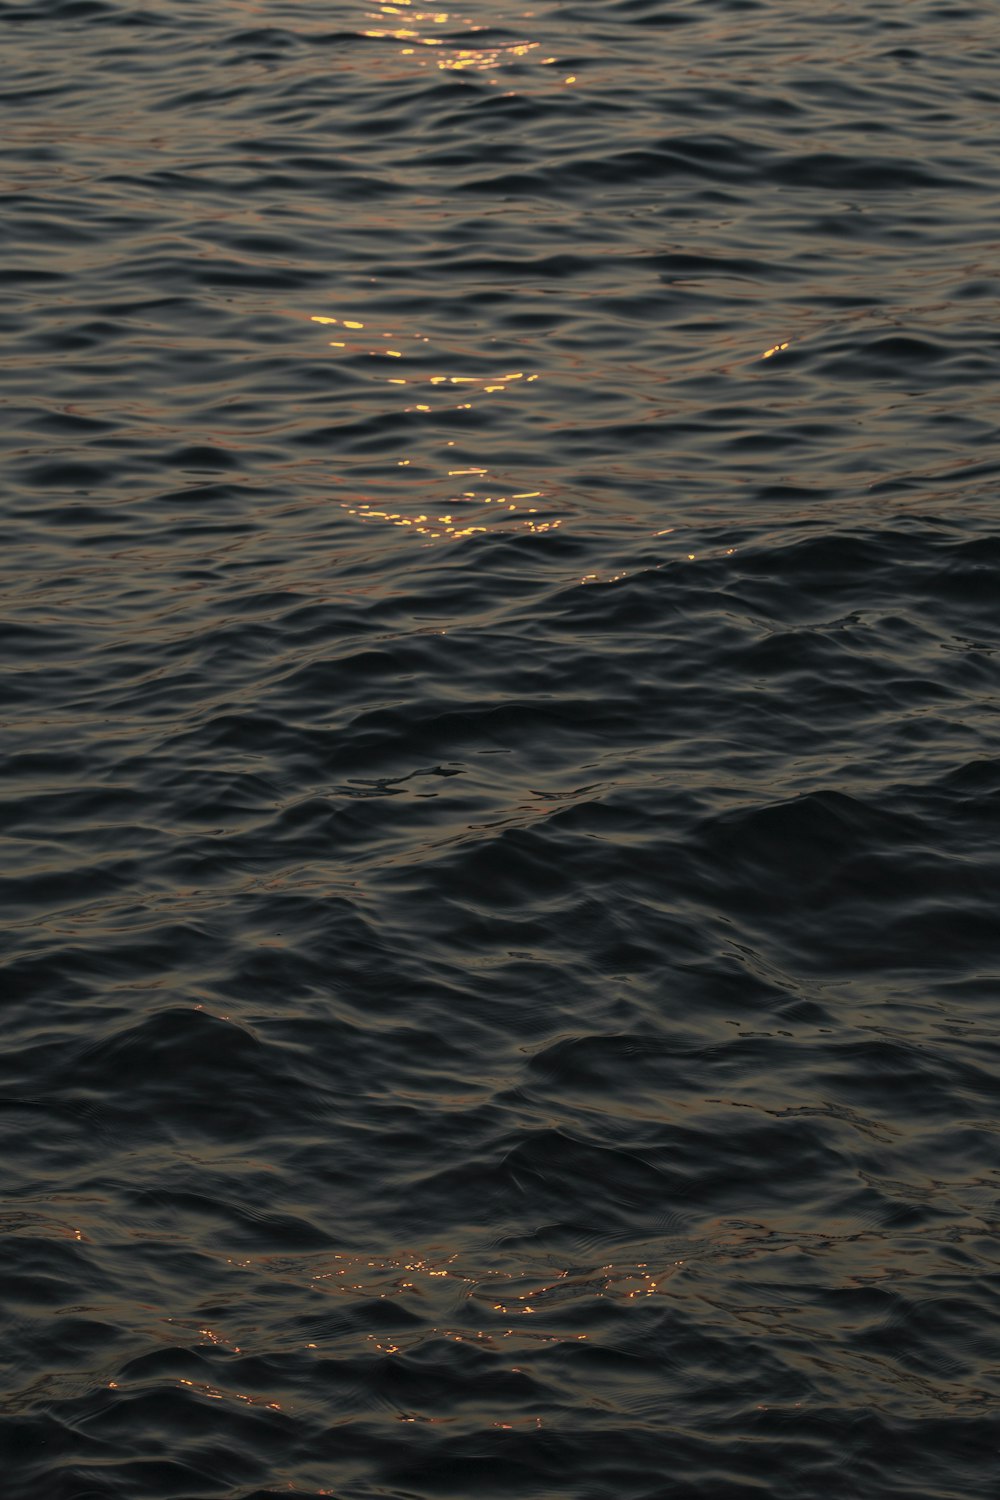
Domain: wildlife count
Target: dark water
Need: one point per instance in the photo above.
(501, 798)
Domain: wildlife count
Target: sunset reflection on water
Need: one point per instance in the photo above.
(436, 39)
(443, 513)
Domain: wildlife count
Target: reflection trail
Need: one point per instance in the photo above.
(436, 519)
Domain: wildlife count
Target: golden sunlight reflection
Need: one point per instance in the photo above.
(433, 505)
(490, 1308)
(441, 1280)
(219, 1393)
(413, 346)
(448, 42)
(452, 525)
(433, 30)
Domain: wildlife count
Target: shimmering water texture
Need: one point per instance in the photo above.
(501, 799)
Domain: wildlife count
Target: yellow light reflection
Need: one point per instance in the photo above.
(453, 523)
(424, 46)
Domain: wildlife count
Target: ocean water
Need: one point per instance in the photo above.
(501, 802)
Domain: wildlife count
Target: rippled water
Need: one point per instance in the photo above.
(501, 796)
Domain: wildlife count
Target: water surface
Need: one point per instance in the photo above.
(500, 708)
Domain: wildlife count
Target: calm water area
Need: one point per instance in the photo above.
(500, 791)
